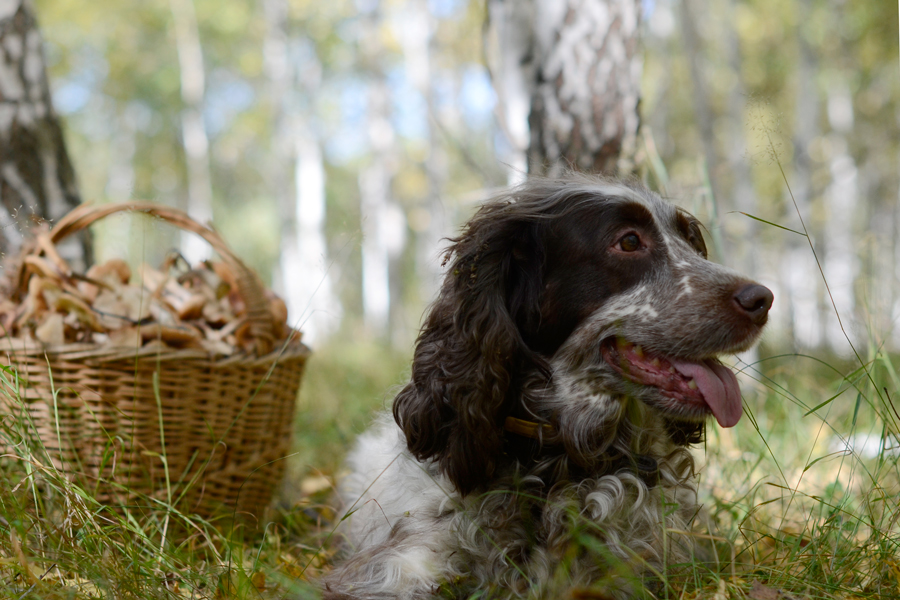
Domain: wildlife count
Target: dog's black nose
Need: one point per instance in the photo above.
(755, 300)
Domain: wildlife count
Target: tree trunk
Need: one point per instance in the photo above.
(510, 52)
(417, 41)
(302, 275)
(193, 129)
(702, 110)
(584, 109)
(37, 181)
(382, 220)
(804, 293)
(375, 210)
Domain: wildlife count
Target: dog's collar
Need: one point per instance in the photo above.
(529, 429)
(646, 467)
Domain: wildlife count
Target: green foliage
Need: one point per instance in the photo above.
(346, 382)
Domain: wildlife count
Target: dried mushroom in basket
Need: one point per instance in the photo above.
(173, 306)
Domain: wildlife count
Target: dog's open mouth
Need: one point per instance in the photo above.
(698, 386)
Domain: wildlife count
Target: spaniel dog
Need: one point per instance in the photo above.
(542, 442)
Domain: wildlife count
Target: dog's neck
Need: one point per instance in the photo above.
(543, 446)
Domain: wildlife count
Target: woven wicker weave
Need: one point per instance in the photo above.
(119, 416)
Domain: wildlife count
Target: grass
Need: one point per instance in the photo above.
(795, 499)
(57, 541)
(804, 491)
(795, 511)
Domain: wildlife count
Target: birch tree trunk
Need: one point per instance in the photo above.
(584, 110)
(578, 63)
(804, 294)
(417, 36)
(839, 257)
(193, 129)
(727, 168)
(701, 96)
(383, 221)
(37, 181)
(511, 57)
(303, 275)
(375, 207)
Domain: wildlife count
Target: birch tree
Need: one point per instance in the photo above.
(37, 181)
(303, 275)
(579, 64)
(383, 222)
(728, 167)
(417, 33)
(193, 129)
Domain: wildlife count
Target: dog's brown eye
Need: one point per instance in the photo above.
(630, 242)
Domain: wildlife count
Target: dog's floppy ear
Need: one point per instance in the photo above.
(470, 349)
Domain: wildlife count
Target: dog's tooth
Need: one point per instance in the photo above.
(672, 370)
(692, 384)
(639, 351)
(655, 362)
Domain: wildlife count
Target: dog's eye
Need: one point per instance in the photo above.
(630, 242)
(699, 245)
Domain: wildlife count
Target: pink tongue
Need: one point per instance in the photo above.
(719, 387)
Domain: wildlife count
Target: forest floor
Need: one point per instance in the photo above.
(801, 498)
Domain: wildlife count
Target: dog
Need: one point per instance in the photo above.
(559, 379)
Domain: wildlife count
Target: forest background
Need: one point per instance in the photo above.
(334, 144)
(385, 112)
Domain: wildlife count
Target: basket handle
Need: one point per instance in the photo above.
(250, 288)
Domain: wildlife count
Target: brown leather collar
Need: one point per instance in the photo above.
(528, 429)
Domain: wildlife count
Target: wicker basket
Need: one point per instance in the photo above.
(141, 428)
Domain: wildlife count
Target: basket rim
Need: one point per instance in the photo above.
(16, 347)
(249, 286)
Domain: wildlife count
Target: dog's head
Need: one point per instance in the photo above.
(601, 287)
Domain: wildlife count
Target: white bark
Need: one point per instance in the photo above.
(567, 75)
(584, 113)
(417, 28)
(384, 237)
(305, 271)
(702, 111)
(376, 289)
(804, 298)
(36, 176)
(895, 292)
(193, 128)
(303, 276)
(840, 260)
(382, 221)
(510, 52)
(742, 195)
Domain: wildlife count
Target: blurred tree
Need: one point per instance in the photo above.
(193, 127)
(303, 276)
(579, 64)
(383, 223)
(802, 80)
(37, 181)
(722, 166)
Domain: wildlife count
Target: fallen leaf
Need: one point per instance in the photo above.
(258, 579)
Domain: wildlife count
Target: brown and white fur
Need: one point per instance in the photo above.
(584, 306)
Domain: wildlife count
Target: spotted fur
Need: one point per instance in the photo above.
(540, 286)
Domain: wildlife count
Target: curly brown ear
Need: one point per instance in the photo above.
(470, 349)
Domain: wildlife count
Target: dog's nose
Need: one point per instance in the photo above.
(755, 300)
